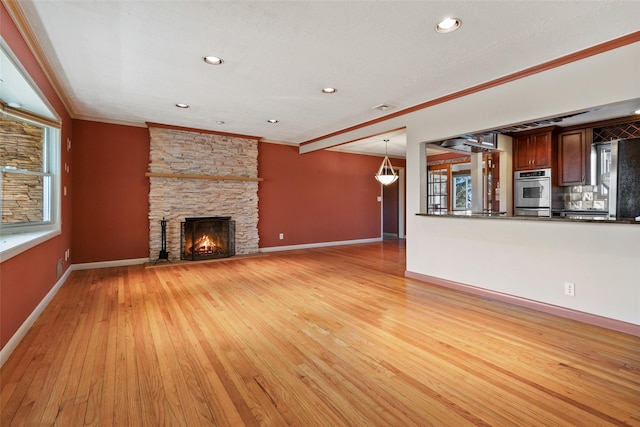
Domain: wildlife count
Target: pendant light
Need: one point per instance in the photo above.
(386, 175)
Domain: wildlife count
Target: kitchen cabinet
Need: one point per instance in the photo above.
(532, 150)
(574, 150)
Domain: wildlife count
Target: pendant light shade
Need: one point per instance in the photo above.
(386, 175)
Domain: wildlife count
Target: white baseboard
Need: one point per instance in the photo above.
(28, 323)
(107, 264)
(318, 245)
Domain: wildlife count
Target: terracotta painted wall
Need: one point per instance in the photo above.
(110, 192)
(27, 278)
(323, 196)
(390, 208)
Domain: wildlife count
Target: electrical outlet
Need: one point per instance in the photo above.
(281, 236)
(570, 289)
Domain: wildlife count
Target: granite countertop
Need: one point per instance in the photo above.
(502, 216)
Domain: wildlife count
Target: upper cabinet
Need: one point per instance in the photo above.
(533, 150)
(574, 148)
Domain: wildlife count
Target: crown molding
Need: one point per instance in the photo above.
(267, 141)
(213, 132)
(109, 121)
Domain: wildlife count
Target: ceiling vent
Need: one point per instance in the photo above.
(383, 107)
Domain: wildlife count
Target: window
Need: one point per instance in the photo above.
(27, 172)
(462, 192)
(29, 162)
(437, 189)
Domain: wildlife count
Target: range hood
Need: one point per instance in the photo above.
(468, 144)
(480, 143)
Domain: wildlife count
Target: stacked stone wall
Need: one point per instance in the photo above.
(21, 147)
(192, 153)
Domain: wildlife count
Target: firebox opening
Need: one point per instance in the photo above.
(207, 238)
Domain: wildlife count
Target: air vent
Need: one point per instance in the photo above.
(383, 107)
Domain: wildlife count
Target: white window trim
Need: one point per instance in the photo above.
(14, 244)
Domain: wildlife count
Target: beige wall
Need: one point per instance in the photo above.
(524, 258)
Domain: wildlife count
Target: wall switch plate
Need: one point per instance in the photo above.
(281, 236)
(570, 289)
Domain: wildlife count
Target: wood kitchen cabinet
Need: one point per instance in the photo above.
(574, 150)
(532, 150)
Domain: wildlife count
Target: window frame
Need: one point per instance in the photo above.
(19, 237)
(467, 191)
(51, 173)
(435, 174)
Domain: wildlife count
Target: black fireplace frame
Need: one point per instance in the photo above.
(190, 224)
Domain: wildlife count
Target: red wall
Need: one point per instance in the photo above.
(323, 196)
(390, 207)
(110, 192)
(27, 278)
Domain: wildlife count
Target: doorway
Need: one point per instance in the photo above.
(393, 208)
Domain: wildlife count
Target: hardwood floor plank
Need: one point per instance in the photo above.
(327, 336)
(196, 361)
(155, 408)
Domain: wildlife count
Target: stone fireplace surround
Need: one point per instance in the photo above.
(192, 153)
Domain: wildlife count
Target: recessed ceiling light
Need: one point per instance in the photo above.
(220, 122)
(14, 104)
(213, 60)
(181, 105)
(448, 25)
(329, 90)
(637, 111)
(272, 121)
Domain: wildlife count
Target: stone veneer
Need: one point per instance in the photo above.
(184, 152)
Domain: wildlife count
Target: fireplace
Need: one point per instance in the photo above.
(207, 238)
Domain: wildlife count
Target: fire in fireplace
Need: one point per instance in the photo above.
(207, 238)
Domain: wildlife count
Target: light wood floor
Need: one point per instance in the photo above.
(321, 337)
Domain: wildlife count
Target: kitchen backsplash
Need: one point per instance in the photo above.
(585, 197)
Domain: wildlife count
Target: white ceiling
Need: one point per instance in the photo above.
(132, 61)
